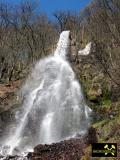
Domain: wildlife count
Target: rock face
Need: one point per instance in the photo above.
(68, 150)
(8, 95)
(72, 149)
(9, 102)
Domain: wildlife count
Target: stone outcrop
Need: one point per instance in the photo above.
(72, 149)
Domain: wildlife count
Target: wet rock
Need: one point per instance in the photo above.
(72, 149)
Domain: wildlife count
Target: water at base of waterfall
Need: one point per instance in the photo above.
(53, 109)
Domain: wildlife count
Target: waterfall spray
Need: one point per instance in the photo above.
(54, 107)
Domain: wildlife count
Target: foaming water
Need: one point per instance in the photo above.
(54, 108)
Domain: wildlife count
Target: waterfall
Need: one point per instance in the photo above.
(46, 128)
(54, 108)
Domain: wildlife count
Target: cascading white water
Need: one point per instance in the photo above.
(46, 127)
(54, 107)
(16, 138)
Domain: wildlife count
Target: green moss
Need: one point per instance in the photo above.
(108, 130)
(101, 123)
(92, 96)
(106, 102)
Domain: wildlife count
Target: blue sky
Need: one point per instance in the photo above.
(50, 6)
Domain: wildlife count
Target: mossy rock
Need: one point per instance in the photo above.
(108, 130)
(94, 93)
